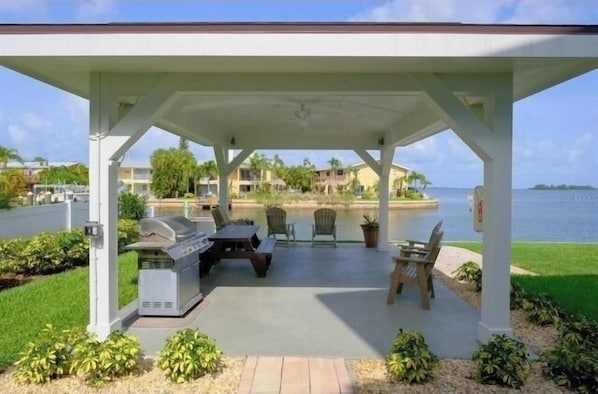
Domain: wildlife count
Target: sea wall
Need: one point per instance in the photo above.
(248, 203)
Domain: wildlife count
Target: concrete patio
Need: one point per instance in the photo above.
(317, 302)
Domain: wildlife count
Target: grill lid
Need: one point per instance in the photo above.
(173, 228)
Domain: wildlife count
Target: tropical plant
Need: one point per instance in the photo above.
(471, 273)
(540, 309)
(101, 361)
(501, 361)
(77, 174)
(335, 165)
(188, 355)
(131, 205)
(48, 357)
(370, 220)
(410, 360)
(572, 366)
(209, 170)
(171, 170)
(257, 164)
(8, 154)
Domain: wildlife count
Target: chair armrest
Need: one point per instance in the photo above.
(417, 260)
(412, 243)
(420, 251)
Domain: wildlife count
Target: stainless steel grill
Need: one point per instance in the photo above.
(168, 261)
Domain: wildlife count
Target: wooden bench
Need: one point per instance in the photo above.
(265, 249)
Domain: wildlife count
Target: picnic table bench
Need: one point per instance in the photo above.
(236, 241)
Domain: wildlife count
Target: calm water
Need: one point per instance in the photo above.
(538, 215)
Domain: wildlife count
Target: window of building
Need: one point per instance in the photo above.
(245, 175)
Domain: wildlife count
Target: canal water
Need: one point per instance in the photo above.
(538, 215)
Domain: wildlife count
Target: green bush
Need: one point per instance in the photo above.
(188, 355)
(518, 296)
(502, 361)
(48, 357)
(101, 361)
(131, 205)
(579, 330)
(75, 246)
(128, 233)
(189, 195)
(43, 255)
(573, 366)
(471, 273)
(410, 360)
(5, 200)
(10, 255)
(540, 309)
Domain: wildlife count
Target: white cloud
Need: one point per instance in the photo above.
(16, 133)
(476, 11)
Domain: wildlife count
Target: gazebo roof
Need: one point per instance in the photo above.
(300, 85)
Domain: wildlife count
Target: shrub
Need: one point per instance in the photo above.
(75, 247)
(579, 330)
(5, 200)
(502, 361)
(10, 252)
(539, 309)
(518, 296)
(128, 233)
(188, 355)
(188, 195)
(101, 361)
(131, 205)
(573, 366)
(43, 255)
(48, 357)
(410, 360)
(471, 273)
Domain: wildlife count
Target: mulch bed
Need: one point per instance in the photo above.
(10, 280)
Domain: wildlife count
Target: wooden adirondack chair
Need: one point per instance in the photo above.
(221, 219)
(415, 269)
(324, 224)
(277, 224)
(423, 245)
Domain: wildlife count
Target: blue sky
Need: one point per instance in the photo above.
(555, 131)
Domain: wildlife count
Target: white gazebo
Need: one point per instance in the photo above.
(247, 86)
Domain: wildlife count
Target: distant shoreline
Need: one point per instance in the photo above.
(248, 203)
(562, 187)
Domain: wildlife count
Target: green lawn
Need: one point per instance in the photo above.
(61, 299)
(566, 271)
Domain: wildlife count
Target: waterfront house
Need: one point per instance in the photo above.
(361, 176)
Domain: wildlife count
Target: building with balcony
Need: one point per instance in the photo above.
(136, 176)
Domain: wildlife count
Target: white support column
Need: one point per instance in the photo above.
(491, 139)
(386, 155)
(497, 214)
(221, 155)
(108, 140)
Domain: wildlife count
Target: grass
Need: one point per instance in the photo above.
(568, 272)
(61, 299)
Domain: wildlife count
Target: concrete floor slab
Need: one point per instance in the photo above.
(321, 302)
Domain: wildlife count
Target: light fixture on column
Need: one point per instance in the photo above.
(302, 115)
(381, 141)
(233, 142)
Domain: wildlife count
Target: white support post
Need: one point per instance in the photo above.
(69, 214)
(491, 138)
(497, 214)
(386, 155)
(221, 155)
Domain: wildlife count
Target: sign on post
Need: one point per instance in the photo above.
(478, 209)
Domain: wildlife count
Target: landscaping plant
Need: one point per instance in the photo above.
(131, 205)
(410, 360)
(188, 355)
(48, 357)
(501, 361)
(471, 273)
(101, 361)
(573, 366)
(540, 309)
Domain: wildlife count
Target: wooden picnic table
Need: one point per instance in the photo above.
(237, 241)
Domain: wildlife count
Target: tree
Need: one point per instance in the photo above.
(354, 183)
(171, 169)
(208, 169)
(183, 144)
(257, 163)
(335, 165)
(77, 174)
(41, 160)
(8, 154)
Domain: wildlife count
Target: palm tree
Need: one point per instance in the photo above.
(335, 164)
(354, 183)
(257, 163)
(8, 154)
(209, 169)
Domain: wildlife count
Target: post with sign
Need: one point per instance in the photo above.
(478, 209)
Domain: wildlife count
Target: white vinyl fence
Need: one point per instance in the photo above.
(29, 221)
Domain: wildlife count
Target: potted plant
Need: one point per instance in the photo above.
(370, 227)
